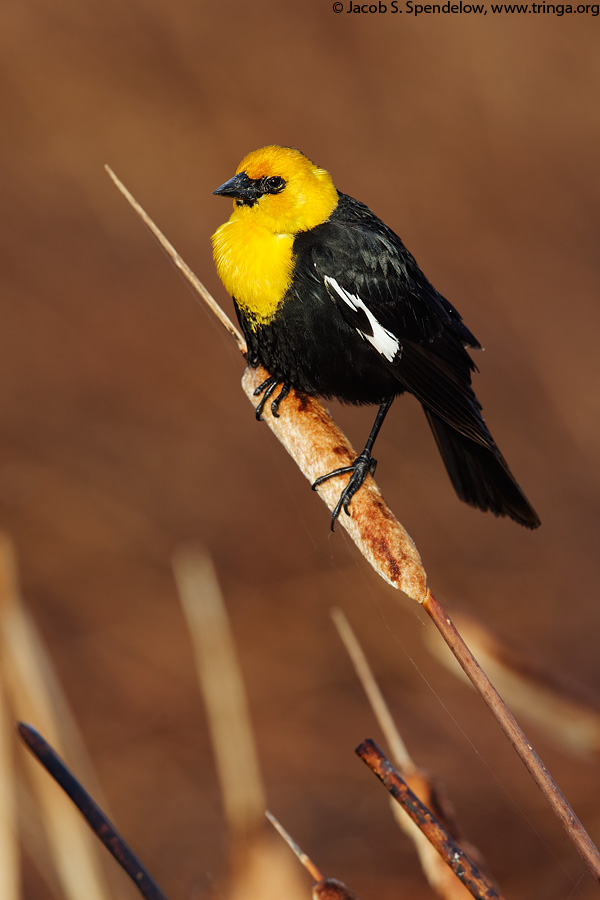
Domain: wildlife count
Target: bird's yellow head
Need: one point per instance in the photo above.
(281, 190)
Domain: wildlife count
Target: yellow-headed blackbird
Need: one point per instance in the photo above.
(332, 303)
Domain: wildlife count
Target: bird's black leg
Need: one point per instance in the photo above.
(363, 465)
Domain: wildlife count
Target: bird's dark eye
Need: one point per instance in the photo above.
(273, 185)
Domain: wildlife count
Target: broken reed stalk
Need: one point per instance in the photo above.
(311, 437)
(455, 857)
(92, 813)
(302, 856)
(332, 889)
(325, 888)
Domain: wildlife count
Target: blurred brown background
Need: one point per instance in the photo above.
(125, 432)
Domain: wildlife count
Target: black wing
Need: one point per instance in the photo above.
(378, 288)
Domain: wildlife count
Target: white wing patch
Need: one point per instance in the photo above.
(383, 340)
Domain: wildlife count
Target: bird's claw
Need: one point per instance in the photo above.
(363, 465)
(266, 388)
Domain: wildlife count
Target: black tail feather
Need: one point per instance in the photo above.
(480, 475)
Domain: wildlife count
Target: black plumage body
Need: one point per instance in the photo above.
(319, 343)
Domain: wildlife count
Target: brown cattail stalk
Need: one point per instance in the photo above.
(314, 441)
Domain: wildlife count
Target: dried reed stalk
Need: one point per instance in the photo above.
(94, 816)
(555, 704)
(34, 693)
(515, 734)
(222, 686)
(381, 710)
(259, 867)
(10, 879)
(309, 434)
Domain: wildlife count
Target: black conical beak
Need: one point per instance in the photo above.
(240, 187)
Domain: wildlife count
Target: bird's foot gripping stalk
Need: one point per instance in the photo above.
(363, 465)
(266, 388)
